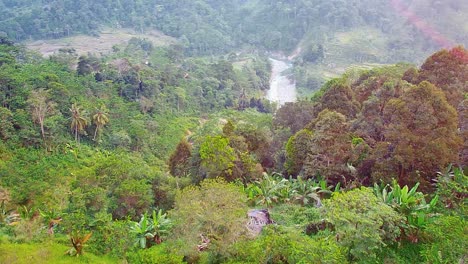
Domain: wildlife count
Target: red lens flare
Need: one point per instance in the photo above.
(422, 25)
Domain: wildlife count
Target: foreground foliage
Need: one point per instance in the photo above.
(367, 224)
(214, 212)
(277, 245)
(45, 253)
(108, 149)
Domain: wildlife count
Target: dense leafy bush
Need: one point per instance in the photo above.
(295, 216)
(411, 204)
(448, 240)
(277, 245)
(215, 212)
(363, 223)
(154, 255)
(452, 187)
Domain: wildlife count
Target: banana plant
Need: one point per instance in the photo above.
(143, 231)
(383, 194)
(270, 190)
(410, 203)
(161, 225)
(285, 190)
(304, 191)
(325, 190)
(152, 229)
(252, 191)
(421, 214)
(404, 198)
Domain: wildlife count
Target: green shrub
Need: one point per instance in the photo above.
(154, 255)
(294, 215)
(404, 252)
(104, 237)
(279, 245)
(452, 187)
(409, 203)
(297, 150)
(29, 230)
(448, 241)
(363, 223)
(215, 211)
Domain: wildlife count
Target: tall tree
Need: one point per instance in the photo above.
(421, 132)
(295, 116)
(297, 149)
(79, 122)
(100, 119)
(340, 98)
(448, 70)
(41, 106)
(179, 162)
(217, 157)
(330, 148)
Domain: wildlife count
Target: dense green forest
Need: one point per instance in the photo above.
(325, 37)
(219, 26)
(99, 154)
(170, 153)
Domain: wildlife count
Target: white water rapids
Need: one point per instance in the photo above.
(282, 88)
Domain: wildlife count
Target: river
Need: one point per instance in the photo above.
(282, 88)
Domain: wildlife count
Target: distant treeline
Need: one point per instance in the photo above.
(214, 26)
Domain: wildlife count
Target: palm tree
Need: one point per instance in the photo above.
(100, 119)
(79, 122)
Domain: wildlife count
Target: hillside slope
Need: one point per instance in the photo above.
(409, 30)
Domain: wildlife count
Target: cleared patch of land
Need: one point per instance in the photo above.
(357, 49)
(98, 45)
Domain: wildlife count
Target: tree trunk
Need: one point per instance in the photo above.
(97, 132)
(76, 134)
(41, 123)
